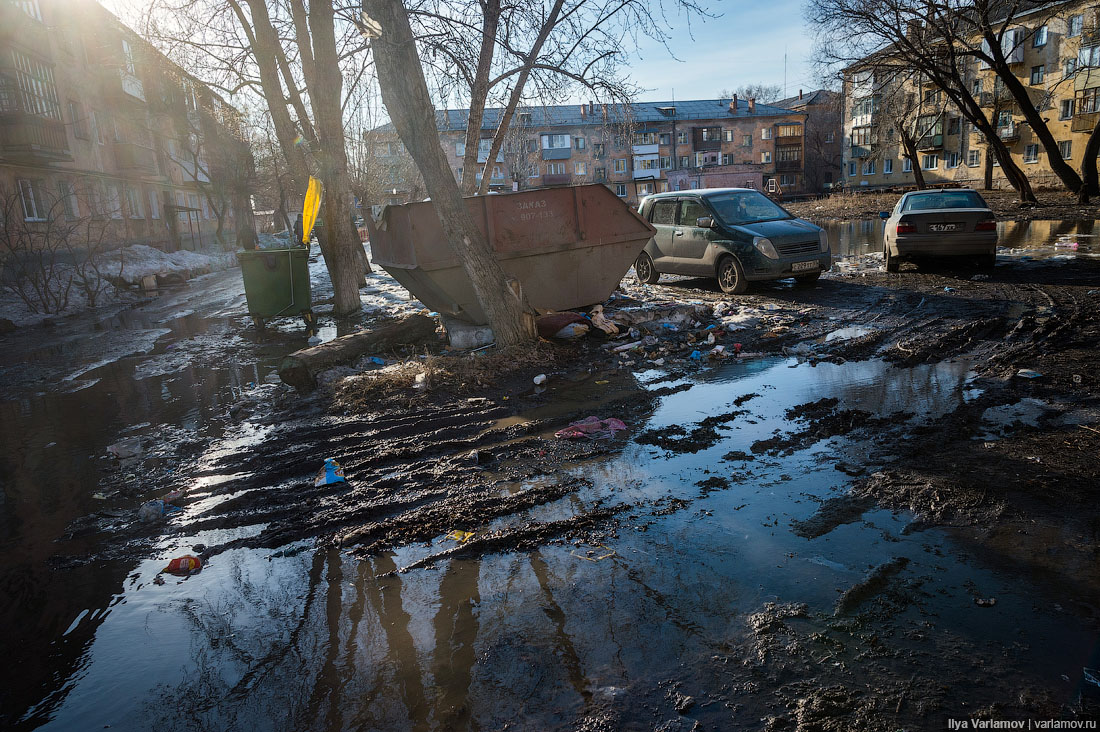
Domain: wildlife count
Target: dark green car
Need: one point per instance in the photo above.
(735, 234)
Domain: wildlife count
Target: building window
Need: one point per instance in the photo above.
(786, 180)
(788, 153)
(645, 189)
(578, 143)
(643, 138)
(114, 203)
(861, 136)
(460, 149)
(37, 91)
(1065, 149)
(711, 134)
(34, 203)
(1040, 37)
(765, 157)
(555, 142)
(685, 161)
(525, 118)
(647, 164)
(789, 130)
(532, 145)
(887, 166)
(1070, 67)
(665, 138)
(907, 166)
(1074, 25)
(766, 133)
(951, 160)
(133, 203)
(869, 167)
(746, 140)
(729, 135)
(619, 142)
(1088, 101)
(534, 172)
(930, 162)
(620, 190)
(666, 162)
(555, 168)
(1031, 153)
(681, 138)
(1038, 73)
(953, 126)
(67, 194)
(154, 204)
(829, 137)
(580, 167)
(620, 165)
(80, 125)
(727, 159)
(128, 57)
(601, 173)
(976, 87)
(974, 158)
(1066, 110)
(851, 169)
(597, 150)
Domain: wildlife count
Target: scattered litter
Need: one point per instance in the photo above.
(601, 382)
(626, 347)
(980, 277)
(378, 361)
(540, 379)
(553, 324)
(154, 510)
(1092, 676)
(1077, 378)
(421, 381)
(128, 448)
(600, 321)
(844, 334)
(183, 566)
(949, 289)
(1028, 374)
(460, 536)
(770, 306)
(592, 428)
(99, 496)
(573, 330)
(985, 602)
(695, 356)
(1066, 244)
(590, 555)
(329, 474)
(313, 340)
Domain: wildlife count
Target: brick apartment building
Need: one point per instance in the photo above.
(636, 149)
(824, 153)
(1056, 56)
(96, 124)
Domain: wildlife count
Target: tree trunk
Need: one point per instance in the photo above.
(1012, 171)
(914, 160)
(405, 94)
(987, 171)
(1090, 184)
(479, 92)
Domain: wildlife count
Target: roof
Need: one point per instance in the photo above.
(818, 96)
(569, 115)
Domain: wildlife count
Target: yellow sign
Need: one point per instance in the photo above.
(311, 207)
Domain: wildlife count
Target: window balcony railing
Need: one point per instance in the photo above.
(33, 138)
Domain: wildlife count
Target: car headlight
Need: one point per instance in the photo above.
(824, 237)
(764, 246)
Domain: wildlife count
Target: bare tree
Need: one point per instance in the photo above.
(763, 93)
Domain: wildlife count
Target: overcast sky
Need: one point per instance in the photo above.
(743, 45)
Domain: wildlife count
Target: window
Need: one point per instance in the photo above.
(974, 158)
(620, 190)
(533, 174)
(1066, 110)
(114, 203)
(829, 136)
(932, 97)
(1031, 153)
(597, 150)
(619, 142)
(861, 136)
(644, 138)
(664, 212)
(887, 166)
(1088, 57)
(746, 140)
(766, 133)
(711, 134)
(869, 167)
(953, 126)
(580, 167)
(727, 159)
(1040, 38)
(1088, 101)
(31, 8)
(555, 168)
(460, 149)
(788, 153)
(525, 118)
(1075, 25)
(685, 161)
(976, 87)
(620, 165)
(154, 205)
(67, 194)
(37, 92)
(929, 162)
(578, 143)
(128, 57)
(133, 203)
(1004, 118)
(1070, 67)
(1038, 73)
(681, 138)
(645, 189)
(34, 203)
(205, 209)
(1065, 149)
(787, 180)
(789, 131)
(851, 169)
(601, 173)
(951, 160)
(665, 138)
(80, 125)
(647, 164)
(907, 166)
(555, 142)
(532, 145)
(666, 162)
(729, 135)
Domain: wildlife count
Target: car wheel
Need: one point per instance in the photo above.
(731, 277)
(893, 264)
(807, 279)
(645, 271)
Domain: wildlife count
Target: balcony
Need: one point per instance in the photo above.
(1084, 122)
(645, 149)
(930, 142)
(132, 85)
(557, 179)
(556, 153)
(788, 166)
(860, 152)
(1009, 133)
(134, 158)
(34, 139)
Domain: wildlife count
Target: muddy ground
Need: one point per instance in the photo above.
(1004, 473)
(1050, 204)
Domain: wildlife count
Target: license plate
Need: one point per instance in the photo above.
(803, 266)
(942, 227)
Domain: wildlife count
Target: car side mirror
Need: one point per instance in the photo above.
(884, 214)
(704, 222)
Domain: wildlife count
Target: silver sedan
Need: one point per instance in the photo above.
(952, 222)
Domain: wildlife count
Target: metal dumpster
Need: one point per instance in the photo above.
(568, 247)
(276, 283)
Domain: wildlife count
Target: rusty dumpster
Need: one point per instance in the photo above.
(568, 247)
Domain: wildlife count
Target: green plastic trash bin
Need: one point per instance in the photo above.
(276, 283)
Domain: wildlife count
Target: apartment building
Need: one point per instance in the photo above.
(96, 124)
(823, 138)
(636, 149)
(1055, 55)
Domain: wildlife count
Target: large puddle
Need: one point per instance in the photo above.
(618, 633)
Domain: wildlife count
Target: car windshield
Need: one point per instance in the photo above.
(944, 199)
(745, 207)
